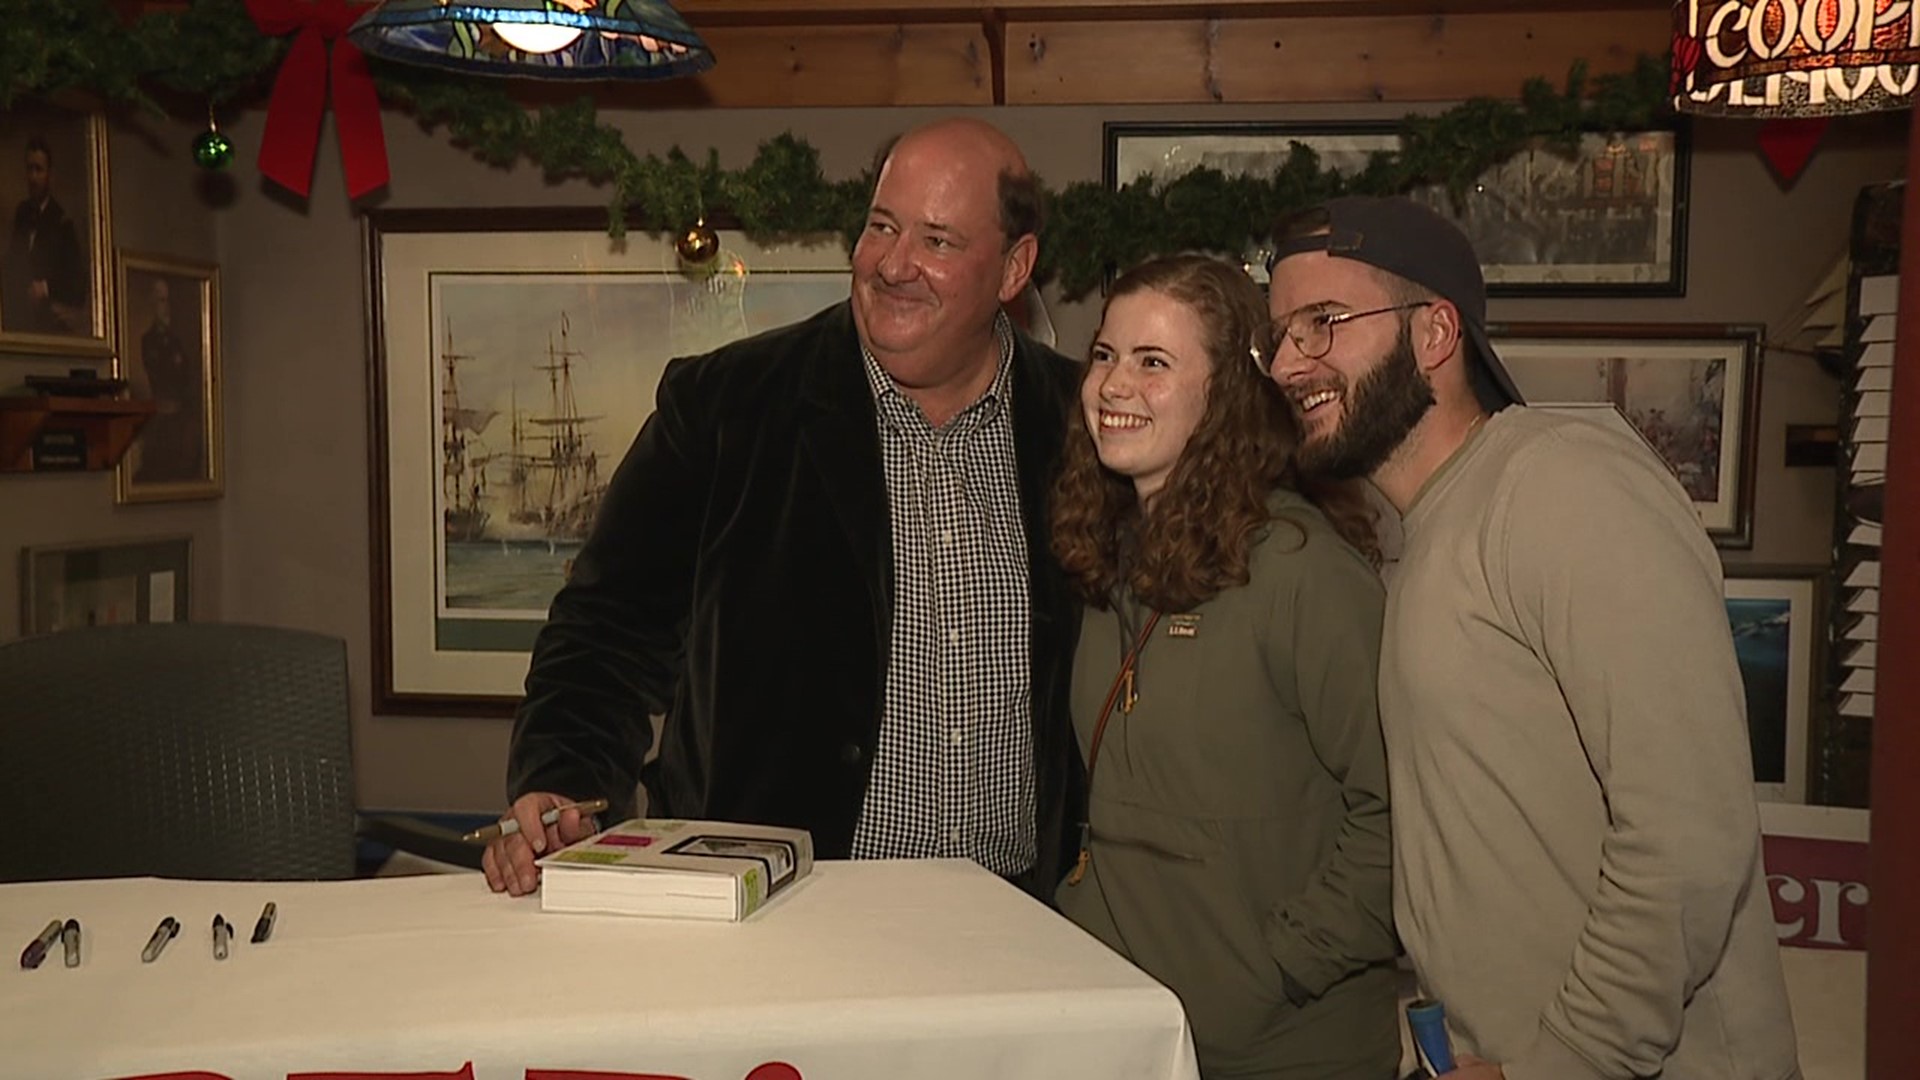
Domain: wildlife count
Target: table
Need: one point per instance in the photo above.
(883, 969)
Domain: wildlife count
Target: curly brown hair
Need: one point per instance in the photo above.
(1196, 538)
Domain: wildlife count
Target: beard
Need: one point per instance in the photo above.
(1382, 409)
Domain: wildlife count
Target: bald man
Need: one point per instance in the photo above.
(824, 561)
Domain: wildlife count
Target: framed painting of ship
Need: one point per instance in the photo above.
(1776, 618)
(516, 353)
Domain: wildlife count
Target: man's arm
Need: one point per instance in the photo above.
(609, 654)
(1614, 582)
(1326, 630)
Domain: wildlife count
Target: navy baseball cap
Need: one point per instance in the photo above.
(1407, 239)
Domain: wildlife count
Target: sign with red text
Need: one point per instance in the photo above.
(1816, 862)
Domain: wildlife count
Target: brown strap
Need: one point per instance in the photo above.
(1100, 728)
(1113, 693)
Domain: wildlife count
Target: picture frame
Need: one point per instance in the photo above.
(56, 256)
(1777, 623)
(1691, 390)
(1610, 221)
(68, 586)
(516, 353)
(169, 353)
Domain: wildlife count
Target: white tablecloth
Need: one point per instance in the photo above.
(871, 969)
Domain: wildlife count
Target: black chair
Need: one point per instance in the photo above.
(190, 750)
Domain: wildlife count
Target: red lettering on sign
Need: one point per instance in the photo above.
(1818, 891)
(465, 1073)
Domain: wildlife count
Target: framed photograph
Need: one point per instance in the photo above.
(67, 586)
(1691, 391)
(516, 354)
(1776, 621)
(56, 267)
(170, 355)
(1608, 221)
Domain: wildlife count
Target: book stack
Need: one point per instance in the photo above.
(676, 869)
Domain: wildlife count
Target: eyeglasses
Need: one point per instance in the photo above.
(1311, 331)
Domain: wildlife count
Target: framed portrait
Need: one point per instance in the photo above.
(1776, 621)
(68, 586)
(56, 266)
(1691, 391)
(169, 353)
(516, 355)
(1608, 221)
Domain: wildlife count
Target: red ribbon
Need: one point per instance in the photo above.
(300, 96)
(1788, 144)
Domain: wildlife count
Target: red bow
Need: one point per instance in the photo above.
(300, 98)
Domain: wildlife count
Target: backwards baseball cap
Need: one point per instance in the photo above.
(1407, 239)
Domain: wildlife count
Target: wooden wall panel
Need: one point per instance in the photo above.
(902, 64)
(795, 53)
(1316, 59)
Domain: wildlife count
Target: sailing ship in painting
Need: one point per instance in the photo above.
(463, 468)
(514, 515)
(555, 470)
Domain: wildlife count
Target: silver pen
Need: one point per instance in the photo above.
(70, 941)
(165, 932)
(509, 825)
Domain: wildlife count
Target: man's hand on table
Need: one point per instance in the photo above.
(508, 861)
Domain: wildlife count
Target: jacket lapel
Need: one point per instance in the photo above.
(840, 441)
(1038, 411)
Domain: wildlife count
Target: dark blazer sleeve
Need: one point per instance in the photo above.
(610, 651)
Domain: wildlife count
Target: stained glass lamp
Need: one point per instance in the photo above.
(540, 39)
(1793, 58)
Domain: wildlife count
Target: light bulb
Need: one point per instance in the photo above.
(537, 37)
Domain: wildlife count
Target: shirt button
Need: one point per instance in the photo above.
(957, 836)
(946, 536)
(957, 738)
(953, 637)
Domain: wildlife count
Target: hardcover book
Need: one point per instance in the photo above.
(676, 869)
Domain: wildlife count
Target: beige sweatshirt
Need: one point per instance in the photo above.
(1576, 850)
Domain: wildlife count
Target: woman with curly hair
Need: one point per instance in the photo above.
(1223, 693)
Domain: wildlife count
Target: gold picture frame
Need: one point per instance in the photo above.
(56, 256)
(169, 353)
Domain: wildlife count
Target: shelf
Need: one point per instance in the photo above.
(107, 426)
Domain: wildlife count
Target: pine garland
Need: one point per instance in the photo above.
(210, 51)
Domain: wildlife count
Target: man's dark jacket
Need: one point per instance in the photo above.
(739, 579)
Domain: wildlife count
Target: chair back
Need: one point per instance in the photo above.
(192, 750)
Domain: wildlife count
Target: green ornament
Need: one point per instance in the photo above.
(212, 150)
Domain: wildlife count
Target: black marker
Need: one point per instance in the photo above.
(162, 934)
(36, 949)
(263, 929)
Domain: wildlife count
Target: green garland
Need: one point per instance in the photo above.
(211, 52)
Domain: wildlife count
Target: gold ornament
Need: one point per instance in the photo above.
(698, 245)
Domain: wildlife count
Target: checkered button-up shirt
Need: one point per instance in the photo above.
(953, 775)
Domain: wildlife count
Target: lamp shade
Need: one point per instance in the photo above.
(541, 39)
(1794, 58)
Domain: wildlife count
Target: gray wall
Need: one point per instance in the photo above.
(156, 211)
(289, 544)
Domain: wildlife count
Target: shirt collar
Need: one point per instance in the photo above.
(887, 395)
